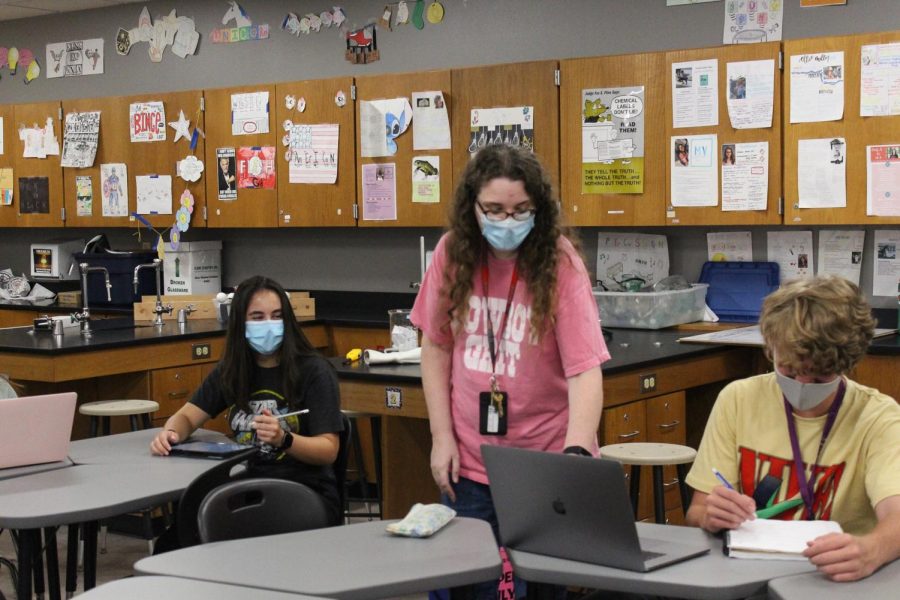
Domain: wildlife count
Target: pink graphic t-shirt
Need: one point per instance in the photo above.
(532, 373)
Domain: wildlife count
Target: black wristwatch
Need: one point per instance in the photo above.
(577, 450)
(287, 441)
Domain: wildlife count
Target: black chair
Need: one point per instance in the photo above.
(259, 506)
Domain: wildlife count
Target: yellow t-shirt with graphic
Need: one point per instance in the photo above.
(747, 438)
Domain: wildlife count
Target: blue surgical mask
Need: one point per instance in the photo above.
(507, 234)
(264, 336)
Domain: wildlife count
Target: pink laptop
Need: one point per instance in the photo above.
(35, 429)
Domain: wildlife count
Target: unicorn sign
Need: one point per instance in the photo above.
(243, 31)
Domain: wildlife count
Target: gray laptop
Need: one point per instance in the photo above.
(572, 507)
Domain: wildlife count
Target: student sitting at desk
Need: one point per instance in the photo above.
(823, 445)
(268, 369)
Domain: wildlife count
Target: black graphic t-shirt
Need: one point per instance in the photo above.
(317, 392)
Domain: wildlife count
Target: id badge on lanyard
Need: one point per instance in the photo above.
(493, 405)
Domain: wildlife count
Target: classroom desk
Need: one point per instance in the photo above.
(881, 585)
(11, 472)
(154, 588)
(351, 562)
(712, 576)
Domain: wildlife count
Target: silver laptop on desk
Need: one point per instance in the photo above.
(35, 429)
(572, 507)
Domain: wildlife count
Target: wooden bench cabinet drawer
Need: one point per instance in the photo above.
(173, 387)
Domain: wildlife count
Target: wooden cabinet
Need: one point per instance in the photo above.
(33, 171)
(171, 388)
(8, 217)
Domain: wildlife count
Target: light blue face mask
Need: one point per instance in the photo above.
(507, 234)
(264, 336)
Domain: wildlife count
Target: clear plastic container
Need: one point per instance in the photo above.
(651, 310)
(404, 335)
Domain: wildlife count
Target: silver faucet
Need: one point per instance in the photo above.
(159, 309)
(84, 317)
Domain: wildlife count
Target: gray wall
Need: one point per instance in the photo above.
(473, 32)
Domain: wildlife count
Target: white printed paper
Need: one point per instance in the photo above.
(752, 21)
(147, 121)
(114, 189)
(622, 256)
(431, 128)
(879, 89)
(313, 153)
(80, 134)
(154, 194)
(695, 168)
(817, 87)
(886, 266)
(734, 246)
(821, 173)
(39, 142)
(380, 123)
(751, 93)
(75, 58)
(840, 253)
(513, 126)
(250, 113)
(883, 181)
(695, 93)
(745, 176)
(793, 251)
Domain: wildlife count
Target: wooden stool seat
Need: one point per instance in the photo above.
(654, 455)
(117, 408)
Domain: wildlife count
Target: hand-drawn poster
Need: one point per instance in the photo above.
(886, 266)
(817, 87)
(80, 134)
(793, 251)
(612, 140)
(883, 181)
(695, 162)
(426, 179)
(735, 246)
(879, 89)
(313, 153)
(6, 186)
(75, 58)
(84, 196)
(629, 257)
(381, 122)
(695, 93)
(431, 129)
(147, 122)
(37, 141)
(752, 21)
(154, 194)
(751, 93)
(114, 189)
(379, 192)
(821, 173)
(250, 113)
(513, 126)
(226, 170)
(840, 253)
(256, 167)
(745, 176)
(34, 195)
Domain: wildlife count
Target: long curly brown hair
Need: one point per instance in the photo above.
(537, 257)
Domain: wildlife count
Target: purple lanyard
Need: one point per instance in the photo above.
(807, 486)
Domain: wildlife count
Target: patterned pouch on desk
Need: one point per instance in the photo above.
(422, 520)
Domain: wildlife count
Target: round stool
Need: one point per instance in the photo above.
(361, 478)
(656, 456)
(104, 409)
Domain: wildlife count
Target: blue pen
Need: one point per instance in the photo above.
(721, 478)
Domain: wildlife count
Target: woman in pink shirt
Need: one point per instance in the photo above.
(512, 345)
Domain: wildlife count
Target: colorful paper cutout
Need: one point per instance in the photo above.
(190, 168)
(243, 31)
(147, 121)
(256, 167)
(182, 127)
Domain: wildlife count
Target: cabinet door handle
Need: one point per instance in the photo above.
(179, 394)
(671, 425)
(628, 436)
(668, 484)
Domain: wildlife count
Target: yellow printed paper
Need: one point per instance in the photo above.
(6, 187)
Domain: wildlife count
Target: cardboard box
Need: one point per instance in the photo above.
(195, 268)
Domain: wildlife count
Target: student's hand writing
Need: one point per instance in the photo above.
(842, 557)
(445, 464)
(727, 509)
(162, 443)
(268, 428)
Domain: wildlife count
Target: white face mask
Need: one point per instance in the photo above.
(805, 396)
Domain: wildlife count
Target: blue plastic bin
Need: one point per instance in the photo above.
(736, 289)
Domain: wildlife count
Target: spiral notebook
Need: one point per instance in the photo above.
(774, 539)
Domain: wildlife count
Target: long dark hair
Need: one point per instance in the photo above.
(238, 362)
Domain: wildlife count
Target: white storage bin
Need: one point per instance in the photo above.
(651, 310)
(195, 268)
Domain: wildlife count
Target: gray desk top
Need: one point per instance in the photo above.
(129, 448)
(882, 584)
(11, 472)
(316, 562)
(712, 576)
(154, 588)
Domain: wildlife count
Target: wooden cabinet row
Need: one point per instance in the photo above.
(553, 88)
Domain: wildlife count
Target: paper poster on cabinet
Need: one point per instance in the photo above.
(381, 122)
(6, 186)
(34, 195)
(735, 246)
(695, 93)
(75, 58)
(879, 89)
(250, 113)
(840, 253)
(631, 259)
(745, 176)
(793, 251)
(513, 126)
(751, 93)
(426, 179)
(431, 128)
(256, 167)
(886, 266)
(695, 168)
(817, 87)
(883, 181)
(313, 153)
(752, 21)
(226, 170)
(84, 196)
(80, 134)
(114, 189)
(612, 140)
(147, 121)
(154, 194)
(821, 173)
(39, 141)
(379, 192)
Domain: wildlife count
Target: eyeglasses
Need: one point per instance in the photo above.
(498, 214)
